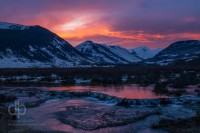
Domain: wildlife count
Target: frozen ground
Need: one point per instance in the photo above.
(89, 112)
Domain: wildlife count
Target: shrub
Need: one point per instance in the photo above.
(123, 102)
(177, 92)
(160, 88)
(4, 98)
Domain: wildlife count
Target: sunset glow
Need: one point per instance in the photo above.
(130, 23)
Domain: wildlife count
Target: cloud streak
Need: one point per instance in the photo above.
(129, 23)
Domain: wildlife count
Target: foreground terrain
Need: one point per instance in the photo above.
(61, 111)
(102, 99)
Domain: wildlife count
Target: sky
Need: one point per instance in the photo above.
(128, 23)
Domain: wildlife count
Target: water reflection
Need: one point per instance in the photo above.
(124, 91)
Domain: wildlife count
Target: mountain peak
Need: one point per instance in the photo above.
(88, 42)
(144, 48)
(89, 45)
(105, 54)
(179, 51)
(35, 46)
(144, 52)
(11, 26)
(186, 43)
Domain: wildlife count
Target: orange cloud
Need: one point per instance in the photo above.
(77, 29)
(81, 30)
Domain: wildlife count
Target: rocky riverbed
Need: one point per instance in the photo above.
(95, 112)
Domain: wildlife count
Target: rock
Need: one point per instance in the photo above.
(87, 118)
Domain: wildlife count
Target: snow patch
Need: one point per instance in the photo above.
(5, 25)
(145, 52)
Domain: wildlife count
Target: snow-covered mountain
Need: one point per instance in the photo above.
(144, 52)
(5, 25)
(182, 51)
(104, 54)
(35, 46)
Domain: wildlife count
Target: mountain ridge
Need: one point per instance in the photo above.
(181, 50)
(35, 46)
(104, 54)
(144, 52)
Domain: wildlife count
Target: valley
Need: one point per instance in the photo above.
(48, 85)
